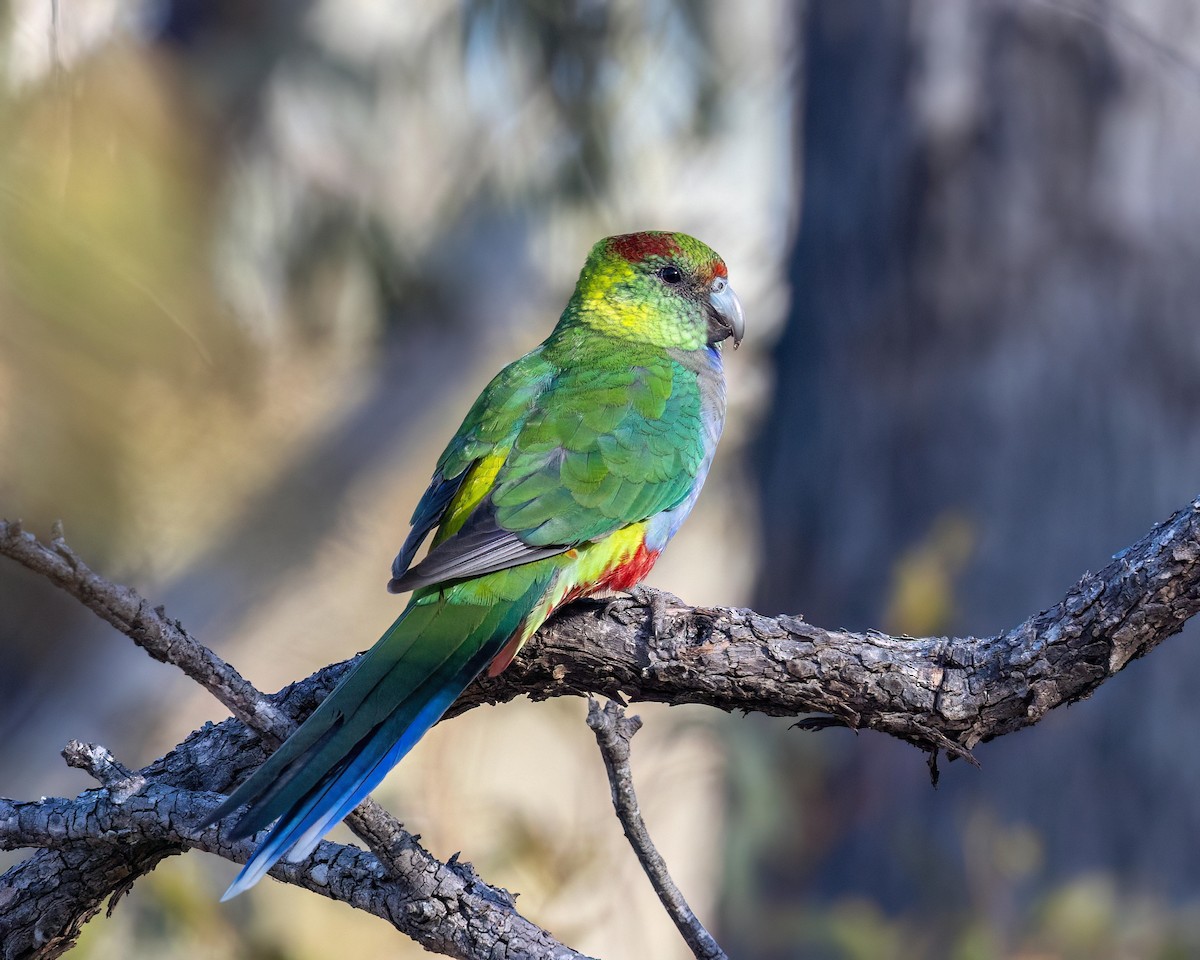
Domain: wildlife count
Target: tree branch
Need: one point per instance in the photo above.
(938, 693)
(99, 843)
(475, 905)
(149, 627)
(613, 732)
(167, 641)
(155, 820)
(942, 694)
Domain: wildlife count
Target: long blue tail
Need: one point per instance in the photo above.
(399, 689)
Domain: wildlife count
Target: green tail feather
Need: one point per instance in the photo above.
(395, 693)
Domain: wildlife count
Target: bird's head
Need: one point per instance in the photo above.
(668, 289)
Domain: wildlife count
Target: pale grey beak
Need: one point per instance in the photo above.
(726, 318)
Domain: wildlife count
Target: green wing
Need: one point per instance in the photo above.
(490, 426)
(602, 445)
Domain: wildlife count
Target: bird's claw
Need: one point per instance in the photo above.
(640, 596)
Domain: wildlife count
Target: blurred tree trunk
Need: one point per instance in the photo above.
(988, 381)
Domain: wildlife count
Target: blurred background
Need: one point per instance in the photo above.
(257, 258)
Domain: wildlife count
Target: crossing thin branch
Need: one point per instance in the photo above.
(614, 730)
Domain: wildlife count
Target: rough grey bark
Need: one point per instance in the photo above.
(95, 846)
(938, 693)
(45, 900)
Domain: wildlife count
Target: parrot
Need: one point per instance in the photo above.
(571, 471)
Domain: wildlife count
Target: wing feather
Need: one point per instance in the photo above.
(592, 452)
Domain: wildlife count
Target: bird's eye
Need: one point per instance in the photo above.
(670, 274)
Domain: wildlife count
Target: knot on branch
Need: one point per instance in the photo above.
(120, 782)
(613, 729)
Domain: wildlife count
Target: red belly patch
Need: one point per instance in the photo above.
(630, 573)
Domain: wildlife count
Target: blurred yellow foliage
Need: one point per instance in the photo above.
(921, 600)
(134, 402)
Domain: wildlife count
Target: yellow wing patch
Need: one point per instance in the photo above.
(479, 481)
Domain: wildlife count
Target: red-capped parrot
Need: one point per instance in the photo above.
(569, 475)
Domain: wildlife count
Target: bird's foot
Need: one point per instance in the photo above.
(640, 596)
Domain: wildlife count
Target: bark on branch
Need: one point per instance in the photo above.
(90, 850)
(941, 694)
